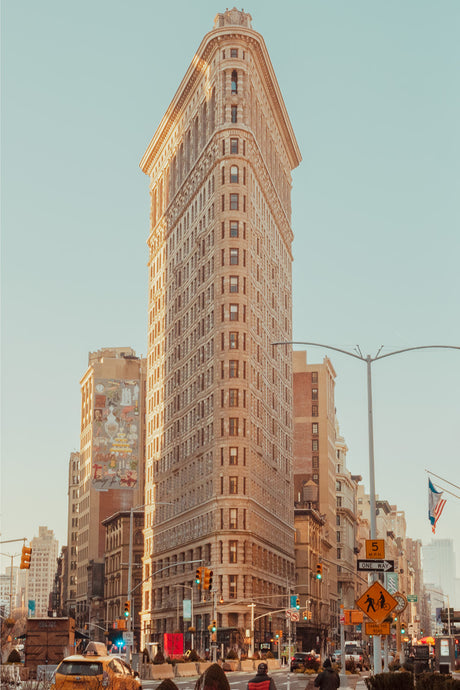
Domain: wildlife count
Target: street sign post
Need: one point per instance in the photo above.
(376, 602)
(375, 548)
(412, 598)
(382, 566)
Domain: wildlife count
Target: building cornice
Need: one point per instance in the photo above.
(198, 67)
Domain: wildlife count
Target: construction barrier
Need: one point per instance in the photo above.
(186, 670)
(203, 666)
(161, 671)
(273, 664)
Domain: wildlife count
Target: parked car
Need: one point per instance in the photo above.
(95, 670)
(300, 660)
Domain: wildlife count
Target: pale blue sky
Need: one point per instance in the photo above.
(372, 90)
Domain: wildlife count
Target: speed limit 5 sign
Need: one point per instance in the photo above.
(375, 548)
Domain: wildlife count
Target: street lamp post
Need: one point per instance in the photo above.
(373, 513)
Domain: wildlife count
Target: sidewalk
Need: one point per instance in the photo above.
(355, 682)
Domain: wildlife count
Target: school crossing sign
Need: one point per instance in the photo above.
(376, 602)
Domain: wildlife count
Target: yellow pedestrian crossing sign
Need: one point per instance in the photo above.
(376, 602)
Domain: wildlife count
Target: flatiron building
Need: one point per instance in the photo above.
(218, 483)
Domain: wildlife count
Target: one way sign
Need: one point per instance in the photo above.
(382, 566)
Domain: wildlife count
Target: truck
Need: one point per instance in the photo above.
(48, 641)
(355, 652)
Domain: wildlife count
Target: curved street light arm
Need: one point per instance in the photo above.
(327, 347)
(419, 347)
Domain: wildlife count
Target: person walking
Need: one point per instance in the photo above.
(328, 679)
(262, 680)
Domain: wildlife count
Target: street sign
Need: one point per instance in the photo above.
(391, 582)
(293, 614)
(382, 566)
(128, 638)
(375, 548)
(376, 602)
(377, 629)
(412, 598)
(401, 602)
(352, 617)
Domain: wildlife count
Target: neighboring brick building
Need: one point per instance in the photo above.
(70, 555)
(116, 577)
(111, 473)
(348, 579)
(315, 467)
(219, 399)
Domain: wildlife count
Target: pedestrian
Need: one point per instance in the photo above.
(262, 680)
(328, 679)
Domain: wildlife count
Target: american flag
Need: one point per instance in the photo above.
(437, 512)
(435, 505)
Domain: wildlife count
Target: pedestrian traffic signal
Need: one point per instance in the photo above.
(198, 575)
(26, 555)
(207, 578)
(213, 626)
(297, 603)
(127, 608)
(319, 571)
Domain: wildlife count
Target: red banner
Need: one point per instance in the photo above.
(173, 644)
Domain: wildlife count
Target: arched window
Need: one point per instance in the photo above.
(234, 173)
(234, 81)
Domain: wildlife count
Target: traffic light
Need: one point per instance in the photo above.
(297, 603)
(403, 629)
(213, 626)
(319, 571)
(127, 608)
(25, 558)
(198, 576)
(207, 578)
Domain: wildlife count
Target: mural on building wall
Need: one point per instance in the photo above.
(115, 434)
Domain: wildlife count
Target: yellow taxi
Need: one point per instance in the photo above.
(95, 670)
